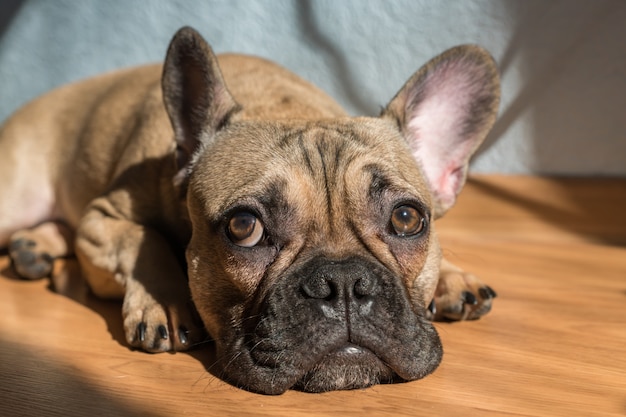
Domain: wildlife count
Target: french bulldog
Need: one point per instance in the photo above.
(227, 195)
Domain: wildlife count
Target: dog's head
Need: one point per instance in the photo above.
(313, 255)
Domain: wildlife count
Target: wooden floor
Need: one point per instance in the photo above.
(554, 344)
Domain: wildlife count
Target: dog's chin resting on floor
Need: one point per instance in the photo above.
(225, 197)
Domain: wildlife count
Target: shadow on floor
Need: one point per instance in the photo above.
(64, 392)
(67, 281)
(596, 206)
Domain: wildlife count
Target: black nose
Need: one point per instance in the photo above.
(336, 284)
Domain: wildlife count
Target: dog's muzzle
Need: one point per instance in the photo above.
(333, 325)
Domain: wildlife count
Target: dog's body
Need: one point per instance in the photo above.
(309, 240)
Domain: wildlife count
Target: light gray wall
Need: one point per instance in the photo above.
(563, 62)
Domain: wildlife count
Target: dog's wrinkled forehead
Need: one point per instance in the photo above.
(358, 159)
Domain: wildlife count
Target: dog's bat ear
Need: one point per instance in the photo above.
(194, 93)
(444, 111)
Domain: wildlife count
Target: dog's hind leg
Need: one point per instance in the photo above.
(34, 250)
(27, 195)
(26, 200)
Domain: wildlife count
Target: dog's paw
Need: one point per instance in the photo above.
(460, 296)
(29, 260)
(34, 250)
(153, 327)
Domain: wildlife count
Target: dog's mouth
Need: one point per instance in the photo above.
(318, 366)
(349, 367)
(269, 370)
(331, 326)
(314, 358)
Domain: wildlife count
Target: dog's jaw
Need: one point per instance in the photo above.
(345, 367)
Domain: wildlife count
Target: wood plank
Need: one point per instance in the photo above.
(555, 343)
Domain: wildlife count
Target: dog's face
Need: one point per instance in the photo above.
(314, 265)
(313, 255)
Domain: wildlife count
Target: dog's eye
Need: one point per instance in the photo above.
(407, 221)
(244, 229)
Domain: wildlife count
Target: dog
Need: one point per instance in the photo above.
(227, 195)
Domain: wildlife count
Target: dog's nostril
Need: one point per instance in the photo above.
(318, 287)
(364, 286)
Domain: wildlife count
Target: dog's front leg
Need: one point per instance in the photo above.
(121, 258)
(460, 295)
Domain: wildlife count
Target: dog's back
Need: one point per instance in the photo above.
(268, 91)
(64, 148)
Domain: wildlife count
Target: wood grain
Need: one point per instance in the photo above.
(555, 343)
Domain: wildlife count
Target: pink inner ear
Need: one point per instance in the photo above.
(438, 112)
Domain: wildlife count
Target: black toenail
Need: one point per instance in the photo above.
(487, 293)
(162, 331)
(182, 335)
(47, 258)
(432, 307)
(469, 298)
(141, 331)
